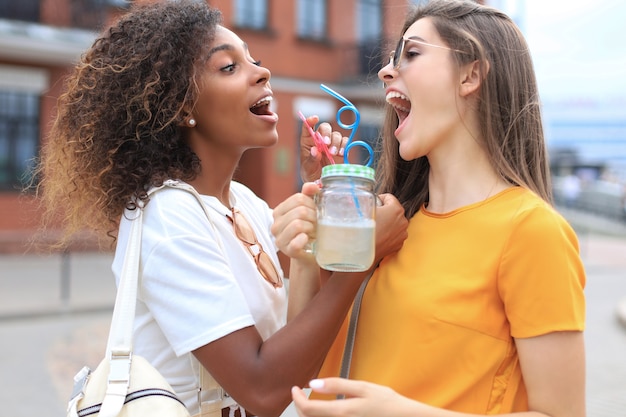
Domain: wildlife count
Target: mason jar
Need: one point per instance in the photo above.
(346, 208)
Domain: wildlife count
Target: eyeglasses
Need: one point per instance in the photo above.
(396, 56)
(246, 235)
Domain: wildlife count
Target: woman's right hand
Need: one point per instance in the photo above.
(311, 159)
(391, 226)
(295, 222)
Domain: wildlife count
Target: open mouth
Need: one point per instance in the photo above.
(400, 103)
(262, 107)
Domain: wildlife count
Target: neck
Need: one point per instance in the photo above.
(217, 168)
(467, 181)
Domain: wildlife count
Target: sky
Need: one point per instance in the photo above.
(578, 46)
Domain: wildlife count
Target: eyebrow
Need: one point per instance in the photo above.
(224, 47)
(417, 38)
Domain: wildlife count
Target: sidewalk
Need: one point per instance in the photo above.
(44, 285)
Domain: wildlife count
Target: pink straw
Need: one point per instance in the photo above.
(317, 139)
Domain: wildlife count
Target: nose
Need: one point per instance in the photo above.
(264, 75)
(387, 73)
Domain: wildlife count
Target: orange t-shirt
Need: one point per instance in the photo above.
(438, 318)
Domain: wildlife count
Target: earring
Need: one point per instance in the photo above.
(192, 122)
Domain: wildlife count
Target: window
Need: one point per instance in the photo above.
(251, 14)
(369, 20)
(369, 34)
(19, 137)
(26, 10)
(92, 14)
(312, 19)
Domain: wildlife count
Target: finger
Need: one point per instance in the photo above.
(344, 143)
(295, 200)
(310, 188)
(325, 129)
(307, 142)
(387, 199)
(297, 215)
(332, 143)
(312, 121)
(299, 398)
(349, 388)
(294, 214)
(315, 408)
(300, 242)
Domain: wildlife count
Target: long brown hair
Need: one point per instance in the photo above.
(509, 109)
(117, 129)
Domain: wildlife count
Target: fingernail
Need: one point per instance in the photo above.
(327, 140)
(333, 150)
(314, 152)
(341, 151)
(316, 383)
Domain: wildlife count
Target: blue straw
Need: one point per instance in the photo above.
(352, 127)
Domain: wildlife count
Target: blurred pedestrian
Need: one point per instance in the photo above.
(571, 190)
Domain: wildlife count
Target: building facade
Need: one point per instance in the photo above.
(303, 42)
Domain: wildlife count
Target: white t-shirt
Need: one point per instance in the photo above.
(191, 291)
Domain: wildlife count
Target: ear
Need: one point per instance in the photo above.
(472, 75)
(189, 120)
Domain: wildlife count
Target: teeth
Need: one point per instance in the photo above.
(263, 101)
(396, 95)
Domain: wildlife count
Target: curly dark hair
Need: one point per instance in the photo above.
(118, 125)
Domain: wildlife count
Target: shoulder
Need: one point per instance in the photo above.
(173, 201)
(177, 211)
(539, 237)
(245, 195)
(534, 217)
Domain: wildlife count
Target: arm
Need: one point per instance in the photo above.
(259, 374)
(553, 366)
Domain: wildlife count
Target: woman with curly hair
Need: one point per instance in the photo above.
(168, 94)
(482, 310)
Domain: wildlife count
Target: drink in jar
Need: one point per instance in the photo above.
(345, 246)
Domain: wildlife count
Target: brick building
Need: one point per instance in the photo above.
(340, 43)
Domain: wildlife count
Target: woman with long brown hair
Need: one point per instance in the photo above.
(482, 311)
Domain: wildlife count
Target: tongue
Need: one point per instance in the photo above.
(259, 110)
